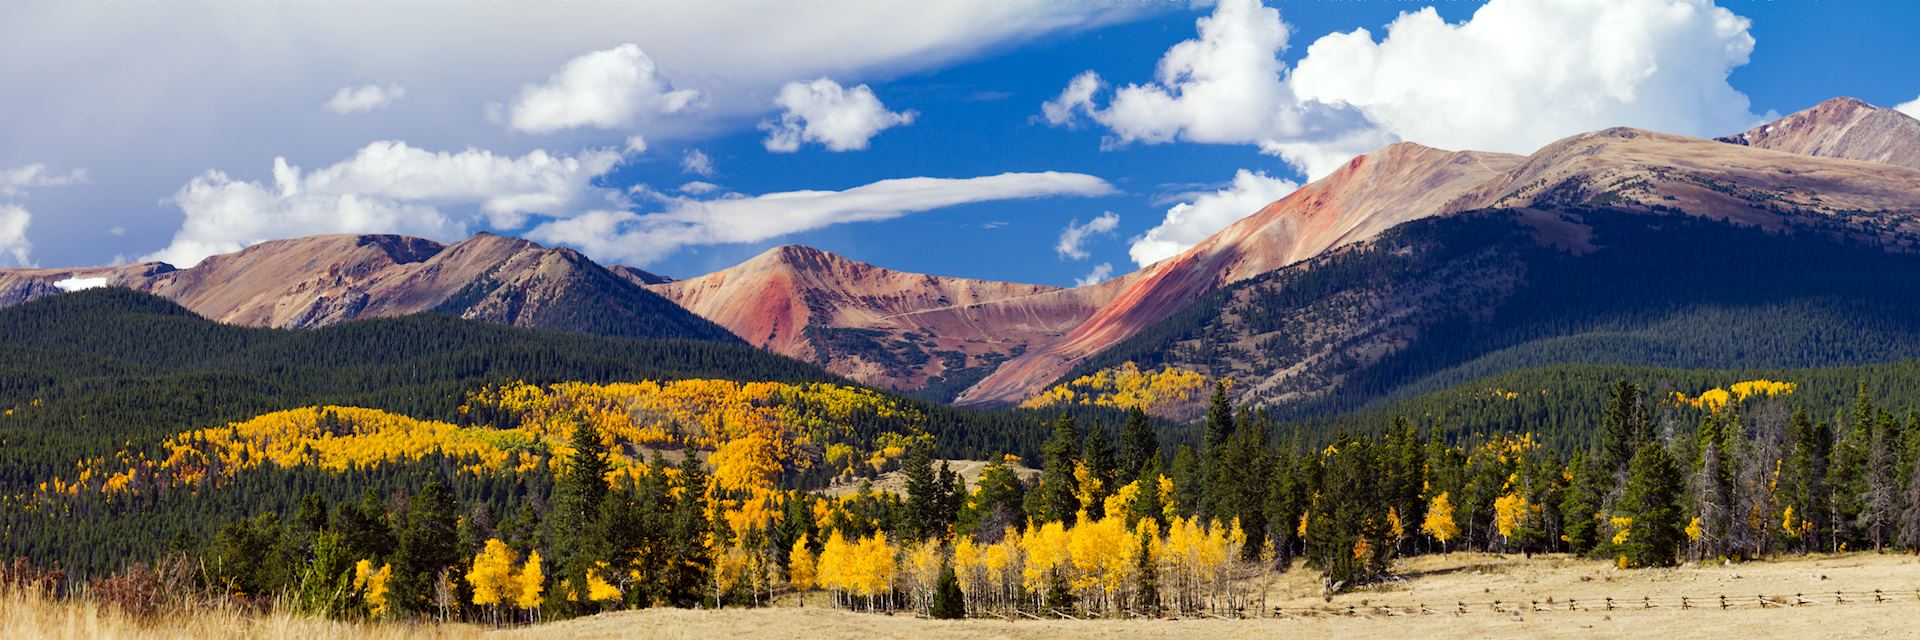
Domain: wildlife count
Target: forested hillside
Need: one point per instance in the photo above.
(1443, 301)
(98, 379)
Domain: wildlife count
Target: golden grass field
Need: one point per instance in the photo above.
(1439, 582)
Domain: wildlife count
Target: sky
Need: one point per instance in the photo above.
(1049, 141)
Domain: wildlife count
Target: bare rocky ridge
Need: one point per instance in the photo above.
(321, 280)
(1841, 128)
(879, 326)
(1370, 194)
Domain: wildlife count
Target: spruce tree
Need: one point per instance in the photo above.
(1622, 428)
(426, 548)
(925, 500)
(948, 601)
(686, 563)
(1059, 490)
(1097, 456)
(1580, 506)
(1881, 502)
(1137, 443)
(1146, 593)
(1652, 501)
(575, 521)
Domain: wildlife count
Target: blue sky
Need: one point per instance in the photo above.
(125, 151)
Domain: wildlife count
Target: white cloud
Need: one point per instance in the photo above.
(15, 249)
(16, 181)
(698, 188)
(636, 143)
(76, 284)
(1911, 107)
(606, 89)
(1076, 234)
(826, 113)
(387, 187)
(364, 98)
(696, 162)
(1065, 109)
(1226, 86)
(1101, 273)
(1188, 223)
(1515, 76)
(1519, 75)
(116, 230)
(635, 238)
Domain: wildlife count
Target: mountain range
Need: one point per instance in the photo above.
(1406, 267)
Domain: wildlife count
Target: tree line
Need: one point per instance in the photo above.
(1112, 523)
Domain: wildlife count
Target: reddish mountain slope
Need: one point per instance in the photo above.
(875, 325)
(1841, 128)
(1372, 193)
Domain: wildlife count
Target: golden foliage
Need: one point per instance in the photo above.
(1439, 522)
(1718, 398)
(1170, 391)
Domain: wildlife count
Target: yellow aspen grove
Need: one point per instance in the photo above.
(800, 565)
(492, 577)
(921, 571)
(372, 585)
(1440, 523)
(532, 584)
(1510, 512)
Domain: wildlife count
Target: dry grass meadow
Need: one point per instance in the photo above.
(1541, 597)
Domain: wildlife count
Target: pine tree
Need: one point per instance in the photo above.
(1060, 499)
(1101, 469)
(924, 495)
(427, 549)
(686, 563)
(948, 602)
(1147, 580)
(1138, 443)
(1580, 507)
(1622, 429)
(1809, 492)
(1651, 500)
(1219, 431)
(575, 525)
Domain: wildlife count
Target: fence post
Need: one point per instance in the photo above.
(1647, 601)
(1609, 604)
(1723, 602)
(1683, 603)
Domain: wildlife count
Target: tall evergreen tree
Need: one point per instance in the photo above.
(1059, 498)
(1137, 443)
(574, 524)
(427, 549)
(1097, 456)
(1580, 506)
(1622, 428)
(1652, 501)
(686, 563)
(1881, 502)
(925, 499)
(1809, 492)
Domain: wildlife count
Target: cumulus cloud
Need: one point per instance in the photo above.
(641, 238)
(1187, 223)
(696, 162)
(828, 114)
(1101, 273)
(608, 89)
(15, 249)
(16, 181)
(636, 143)
(387, 187)
(364, 98)
(1514, 76)
(77, 284)
(1076, 234)
(1911, 107)
(1519, 75)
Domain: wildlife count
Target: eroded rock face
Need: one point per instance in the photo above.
(879, 326)
(1372, 193)
(321, 280)
(1841, 128)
